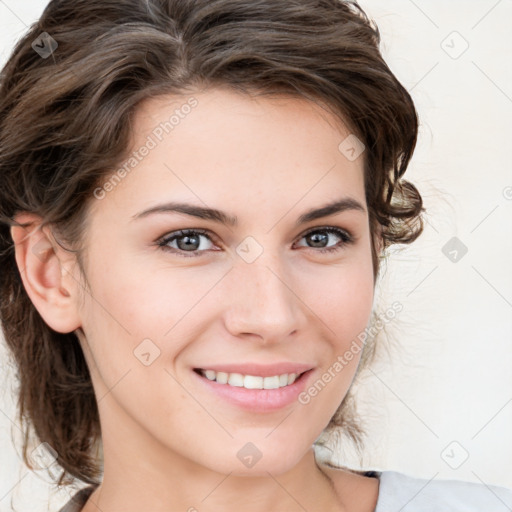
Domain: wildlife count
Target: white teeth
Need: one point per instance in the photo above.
(221, 377)
(209, 374)
(271, 382)
(236, 379)
(251, 381)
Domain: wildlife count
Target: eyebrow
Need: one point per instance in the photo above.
(341, 205)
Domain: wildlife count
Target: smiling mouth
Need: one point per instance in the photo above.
(250, 381)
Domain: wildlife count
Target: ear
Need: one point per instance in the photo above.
(44, 265)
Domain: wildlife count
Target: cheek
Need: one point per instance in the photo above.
(145, 299)
(341, 297)
(131, 303)
(351, 304)
(345, 310)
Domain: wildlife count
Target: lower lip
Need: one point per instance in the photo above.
(257, 400)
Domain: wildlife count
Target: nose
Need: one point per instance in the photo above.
(262, 302)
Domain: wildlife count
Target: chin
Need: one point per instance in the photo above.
(260, 459)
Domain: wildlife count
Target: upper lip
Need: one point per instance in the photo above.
(260, 370)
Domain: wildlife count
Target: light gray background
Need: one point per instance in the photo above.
(446, 394)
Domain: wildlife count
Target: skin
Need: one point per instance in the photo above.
(168, 443)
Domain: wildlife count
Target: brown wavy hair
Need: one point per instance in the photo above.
(65, 123)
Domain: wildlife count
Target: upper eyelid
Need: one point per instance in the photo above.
(328, 226)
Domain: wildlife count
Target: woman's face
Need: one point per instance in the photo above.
(258, 297)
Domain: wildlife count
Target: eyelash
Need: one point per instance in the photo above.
(346, 237)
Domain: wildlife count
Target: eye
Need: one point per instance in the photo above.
(187, 240)
(320, 236)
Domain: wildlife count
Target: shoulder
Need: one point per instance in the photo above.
(399, 491)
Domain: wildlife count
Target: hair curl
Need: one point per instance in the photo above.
(65, 123)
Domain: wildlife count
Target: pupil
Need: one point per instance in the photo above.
(318, 238)
(187, 241)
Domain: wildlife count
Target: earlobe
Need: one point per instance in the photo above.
(41, 262)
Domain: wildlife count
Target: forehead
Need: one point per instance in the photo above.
(222, 146)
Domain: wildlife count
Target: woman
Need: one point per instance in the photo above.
(197, 196)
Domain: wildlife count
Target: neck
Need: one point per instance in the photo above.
(134, 484)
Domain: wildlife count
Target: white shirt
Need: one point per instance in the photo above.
(403, 493)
